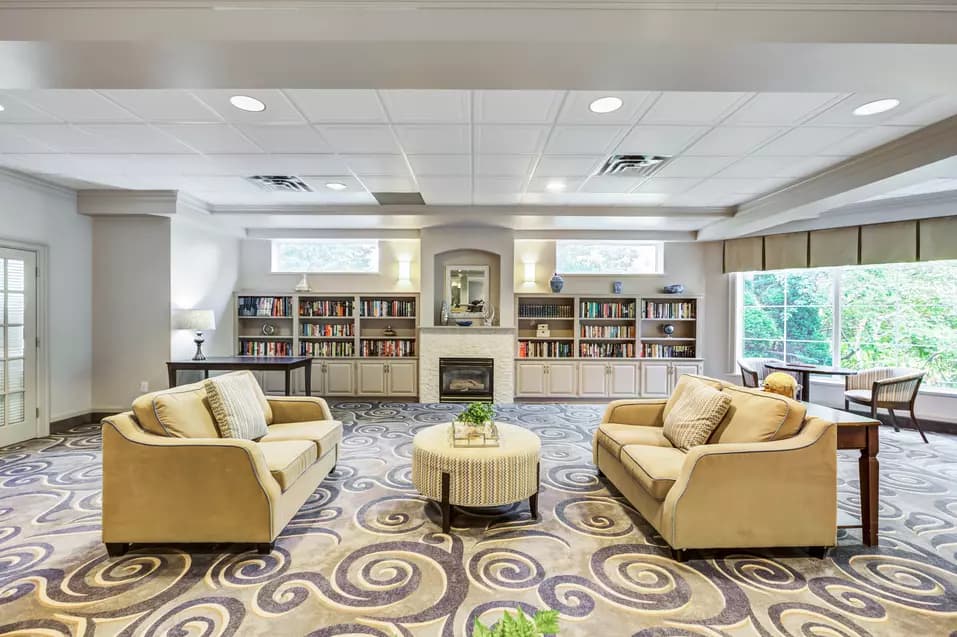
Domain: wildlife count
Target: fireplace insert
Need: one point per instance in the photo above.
(464, 380)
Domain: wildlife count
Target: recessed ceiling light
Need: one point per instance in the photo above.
(555, 186)
(605, 105)
(873, 108)
(335, 185)
(246, 103)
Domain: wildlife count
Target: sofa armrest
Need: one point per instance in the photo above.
(646, 412)
(298, 409)
(764, 494)
(158, 488)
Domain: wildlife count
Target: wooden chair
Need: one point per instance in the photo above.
(755, 370)
(887, 388)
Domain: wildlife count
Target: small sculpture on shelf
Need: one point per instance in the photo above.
(674, 288)
(668, 329)
(303, 285)
(557, 282)
(616, 287)
(444, 313)
(489, 314)
(388, 331)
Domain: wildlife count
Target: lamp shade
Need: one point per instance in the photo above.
(194, 320)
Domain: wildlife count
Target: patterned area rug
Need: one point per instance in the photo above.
(364, 556)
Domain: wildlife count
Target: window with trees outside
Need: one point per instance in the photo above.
(899, 315)
(609, 257)
(325, 256)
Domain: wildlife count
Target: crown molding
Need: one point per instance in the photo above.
(668, 236)
(318, 233)
(36, 183)
(470, 211)
(112, 203)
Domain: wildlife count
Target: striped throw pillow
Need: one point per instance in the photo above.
(697, 412)
(236, 405)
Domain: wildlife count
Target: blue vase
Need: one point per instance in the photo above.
(557, 283)
(616, 287)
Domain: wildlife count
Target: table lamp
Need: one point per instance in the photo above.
(197, 320)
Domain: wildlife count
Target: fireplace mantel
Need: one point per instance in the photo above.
(497, 343)
(466, 331)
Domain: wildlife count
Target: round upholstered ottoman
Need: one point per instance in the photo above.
(476, 476)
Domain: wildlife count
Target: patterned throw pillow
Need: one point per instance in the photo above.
(235, 402)
(697, 413)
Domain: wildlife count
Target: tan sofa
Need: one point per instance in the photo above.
(169, 478)
(766, 478)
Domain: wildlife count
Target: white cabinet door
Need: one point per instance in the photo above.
(623, 380)
(530, 379)
(338, 378)
(401, 377)
(372, 379)
(561, 379)
(684, 368)
(592, 380)
(318, 385)
(275, 382)
(655, 380)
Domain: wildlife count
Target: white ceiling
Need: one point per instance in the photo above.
(457, 147)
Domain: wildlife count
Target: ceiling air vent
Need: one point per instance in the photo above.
(399, 198)
(279, 183)
(633, 165)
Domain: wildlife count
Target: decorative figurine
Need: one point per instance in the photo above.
(616, 287)
(668, 329)
(303, 285)
(674, 288)
(557, 283)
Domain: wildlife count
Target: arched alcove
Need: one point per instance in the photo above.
(467, 256)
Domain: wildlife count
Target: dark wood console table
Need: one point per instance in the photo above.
(283, 364)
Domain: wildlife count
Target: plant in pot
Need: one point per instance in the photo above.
(477, 416)
(544, 622)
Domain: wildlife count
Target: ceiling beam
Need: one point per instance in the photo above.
(471, 213)
(319, 233)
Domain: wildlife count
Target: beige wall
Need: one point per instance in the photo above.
(131, 307)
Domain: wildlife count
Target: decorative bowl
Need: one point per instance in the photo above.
(463, 323)
(675, 288)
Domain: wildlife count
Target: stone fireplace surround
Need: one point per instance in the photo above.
(497, 343)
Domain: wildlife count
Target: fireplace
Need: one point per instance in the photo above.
(464, 380)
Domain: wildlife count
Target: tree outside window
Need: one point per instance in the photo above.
(325, 255)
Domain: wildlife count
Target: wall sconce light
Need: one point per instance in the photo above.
(405, 270)
(529, 273)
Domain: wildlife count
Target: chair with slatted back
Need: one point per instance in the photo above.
(887, 388)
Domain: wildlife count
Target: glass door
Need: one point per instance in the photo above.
(18, 349)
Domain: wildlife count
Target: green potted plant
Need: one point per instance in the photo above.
(477, 415)
(544, 622)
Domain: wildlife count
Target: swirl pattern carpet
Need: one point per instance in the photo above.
(364, 556)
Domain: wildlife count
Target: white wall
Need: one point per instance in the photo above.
(204, 272)
(255, 264)
(31, 212)
(131, 308)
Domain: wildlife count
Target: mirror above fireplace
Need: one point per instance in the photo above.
(467, 291)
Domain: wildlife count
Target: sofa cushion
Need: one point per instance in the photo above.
(613, 437)
(697, 413)
(236, 404)
(325, 433)
(289, 459)
(180, 412)
(684, 381)
(655, 469)
(758, 416)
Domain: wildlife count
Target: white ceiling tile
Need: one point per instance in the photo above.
(447, 139)
(583, 140)
(63, 138)
(244, 165)
(437, 191)
(510, 139)
(781, 108)
(211, 138)
(163, 105)
(433, 107)
(612, 199)
(391, 165)
(360, 139)
(133, 138)
(339, 106)
(694, 166)
(389, 184)
(925, 113)
(498, 185)
(867, 139)
(217, 184)
(659, 140)
(286, 138)
(517, 107)
(776, 167)
(842, 113)
(19, 111)
(568, 165)
(686, 107)
(576, 108)
(805, 166)
(606, 183)
(279, 110)
(668, 185)
(541, 184)
(433, 165)
(497, 198)
(11, 141)
(172, 164)
(74, 105)
(308, 164)
(806, 140)
(503, 165)
(723, 191)
(318, 183)
(733, 140)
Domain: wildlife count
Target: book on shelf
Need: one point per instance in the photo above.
(387, 308)
(265, 306)
(544, 310)
(326, 329)
(325, 308)
(265, 348)
(544, 349)
(670, 310)
(607, 350)
(659, 350)
(608, 331)
(332, 349)
(387, 348)
(602, 309)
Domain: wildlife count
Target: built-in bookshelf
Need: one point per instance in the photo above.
(327, 325)
(607, 327)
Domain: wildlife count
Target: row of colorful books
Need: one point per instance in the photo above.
(265, 348)
(394, 348)
(326, 329)
(544, 310)
(676, 310)
(325, 308)
(331, 349)
(608, 331)
(607, 350)
(387, 308)
(265, 306)
(544, 349)
(657, 350)
(598, 309)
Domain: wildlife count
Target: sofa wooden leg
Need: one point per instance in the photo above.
(265, 548)
(820, 552)
(678, 555)
(116, 549)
